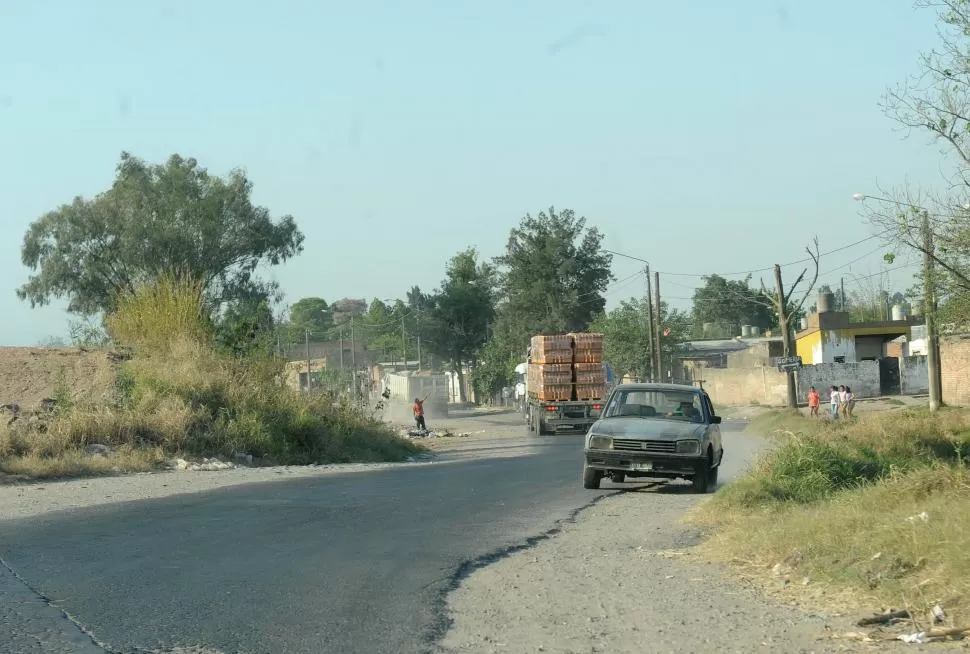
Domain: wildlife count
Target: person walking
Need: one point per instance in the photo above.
(418, 409)
(834, 401)
(849, 402)
(813, 401)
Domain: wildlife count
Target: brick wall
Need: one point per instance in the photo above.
(954, 369)
(913, 375)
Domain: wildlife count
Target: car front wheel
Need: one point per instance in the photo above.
(705, 478)
(591, 478)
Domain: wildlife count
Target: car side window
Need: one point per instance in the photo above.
(710, 406)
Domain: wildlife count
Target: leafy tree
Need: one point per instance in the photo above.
(246, 327)
(731, 303)
(380, 329)
(626, 340)
(495, 369)
(462, 309)
(171, 218)
(344, 309)
(555, 273)
(313, 314)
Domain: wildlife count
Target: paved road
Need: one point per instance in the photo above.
(342, 563)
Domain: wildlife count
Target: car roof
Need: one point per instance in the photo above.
(645, 386)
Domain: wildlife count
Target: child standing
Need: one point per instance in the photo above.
(834, 401)
(813, 400)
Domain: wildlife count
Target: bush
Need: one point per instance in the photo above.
(818, 458)
(178, 394)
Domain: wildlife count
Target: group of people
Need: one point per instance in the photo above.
(841, 401)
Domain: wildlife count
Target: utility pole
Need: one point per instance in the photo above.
(417, 317)
(404, 344)
(340, 332)
(929, 309)
(353, 360)
(306, 334)
(842, 299)
(656, 326)
(651, 369)
(786, 335)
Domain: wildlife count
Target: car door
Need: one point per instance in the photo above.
(715, 430)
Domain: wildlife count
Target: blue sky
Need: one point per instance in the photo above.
(705, 137)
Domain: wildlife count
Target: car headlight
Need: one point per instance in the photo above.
(600, 443)
(688, 447)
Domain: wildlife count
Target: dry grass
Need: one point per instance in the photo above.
(876, 510)
(180, 396)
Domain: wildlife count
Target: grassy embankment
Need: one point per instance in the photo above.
(873, 512)
(178, 395)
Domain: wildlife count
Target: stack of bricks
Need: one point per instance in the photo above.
(589, 375)
(567, 367)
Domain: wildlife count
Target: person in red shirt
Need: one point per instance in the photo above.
(813, 400)
(418, 409)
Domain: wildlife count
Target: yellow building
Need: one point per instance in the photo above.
(829, 337)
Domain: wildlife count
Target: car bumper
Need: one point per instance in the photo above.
(644, 462)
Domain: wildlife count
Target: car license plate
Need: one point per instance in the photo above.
(643, 467)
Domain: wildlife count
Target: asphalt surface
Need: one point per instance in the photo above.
(342, 563)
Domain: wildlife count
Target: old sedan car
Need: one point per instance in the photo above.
(665, 431)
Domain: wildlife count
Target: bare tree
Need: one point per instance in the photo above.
(936, 102)
(781, 303)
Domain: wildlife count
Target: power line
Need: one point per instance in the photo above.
(756, 270)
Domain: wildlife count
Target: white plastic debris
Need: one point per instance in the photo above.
(922, 516)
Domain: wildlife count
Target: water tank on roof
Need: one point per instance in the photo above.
(826, 300)
(898, 312)
(804, 324)
(745, 330)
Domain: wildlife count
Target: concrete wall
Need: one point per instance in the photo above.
(954, 369)
(913, 375)
(861, 377)
(734, 386)
(759, 354)
(763, 385)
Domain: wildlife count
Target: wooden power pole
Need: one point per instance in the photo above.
(786, 335)
(652, 367)
(929, 311)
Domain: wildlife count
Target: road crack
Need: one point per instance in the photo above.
(442, 621)
(51, 604)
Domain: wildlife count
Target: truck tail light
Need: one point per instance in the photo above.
(552, 408)
(597, 407)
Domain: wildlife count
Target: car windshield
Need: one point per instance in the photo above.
(664, 404)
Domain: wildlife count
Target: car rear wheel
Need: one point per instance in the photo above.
(591, 478)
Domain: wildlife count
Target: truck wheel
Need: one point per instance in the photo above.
(702, 480)
(591, 478)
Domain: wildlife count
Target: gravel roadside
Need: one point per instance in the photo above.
(622, 578)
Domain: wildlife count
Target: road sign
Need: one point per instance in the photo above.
(785, 364)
